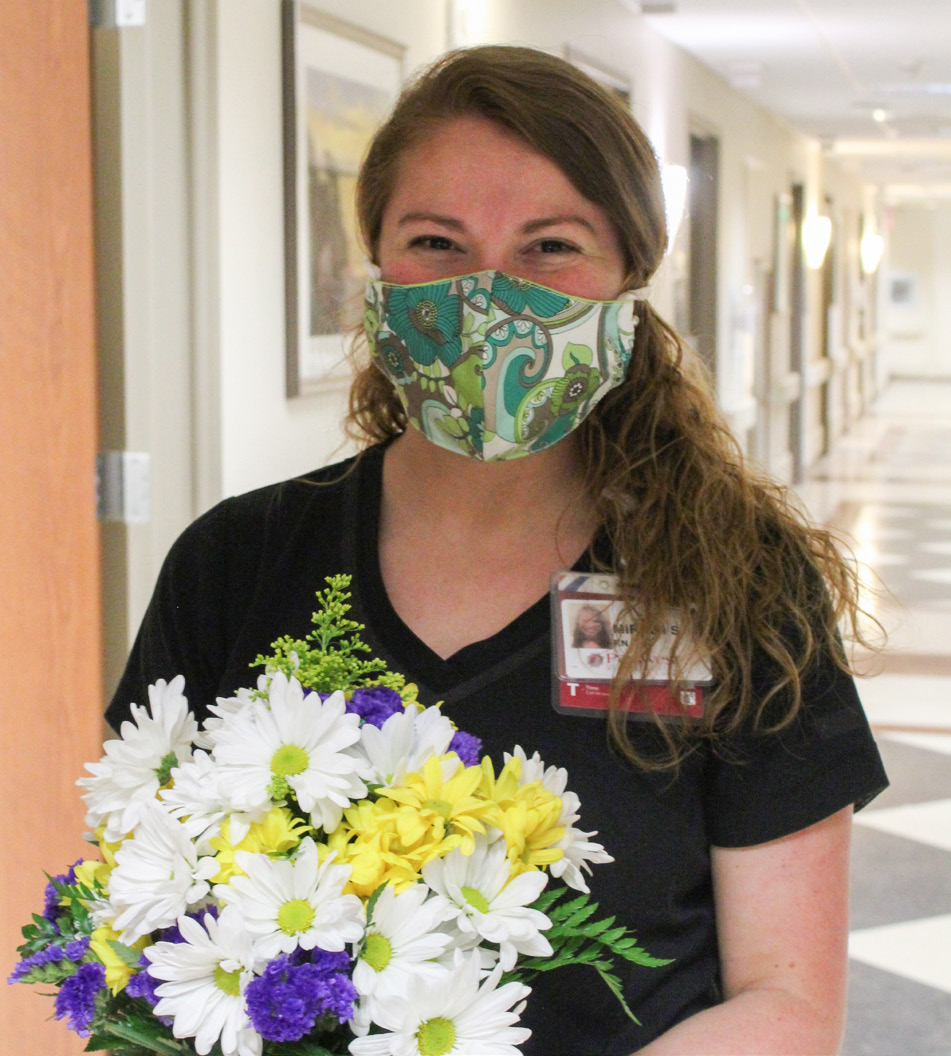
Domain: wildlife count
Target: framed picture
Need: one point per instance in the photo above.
(339, 83)
(903, 289)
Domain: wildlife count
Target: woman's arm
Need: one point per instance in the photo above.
(782, 918)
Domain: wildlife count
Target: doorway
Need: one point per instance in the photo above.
(704, 194)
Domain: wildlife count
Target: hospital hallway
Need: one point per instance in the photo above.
(888, 486)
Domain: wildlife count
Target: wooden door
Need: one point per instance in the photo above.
(49, 548)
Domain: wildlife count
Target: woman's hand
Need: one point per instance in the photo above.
(782, 919)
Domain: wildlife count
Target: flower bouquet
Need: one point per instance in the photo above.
(324, 867)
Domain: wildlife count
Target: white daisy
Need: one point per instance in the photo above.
(193, 797)
(576, 845)
(401, 942)
(404, 742)
(158, 874)
(196, 800)
(294, 744)
(206, 976)
(554, 778)
(140, 760)
(476, 890)
(224, 707)
(453, 1016)
(288, 903)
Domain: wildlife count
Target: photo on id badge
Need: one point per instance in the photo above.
(590, 641)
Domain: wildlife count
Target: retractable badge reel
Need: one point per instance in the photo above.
(592, 628)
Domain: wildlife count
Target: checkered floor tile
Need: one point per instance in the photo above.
(891, 479)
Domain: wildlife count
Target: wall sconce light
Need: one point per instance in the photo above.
(870, 250)
(816, 234)
(674, 183)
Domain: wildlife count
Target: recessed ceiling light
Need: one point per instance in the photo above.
(879, 115)
(745, 73)
(917, 89)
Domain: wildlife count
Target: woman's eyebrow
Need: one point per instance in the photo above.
(554, 221)
(529, 228)
(431, 218)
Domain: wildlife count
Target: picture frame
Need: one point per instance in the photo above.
(339, 83)
(903, 290)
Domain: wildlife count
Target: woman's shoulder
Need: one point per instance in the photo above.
(211, 576)
(291, 493)
(251, 517)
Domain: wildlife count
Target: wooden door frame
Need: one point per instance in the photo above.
(50, 616)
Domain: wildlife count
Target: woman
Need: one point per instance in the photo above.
(591, 630)
(513, 174)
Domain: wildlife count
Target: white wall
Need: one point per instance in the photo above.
(915, 332)
(265, 436)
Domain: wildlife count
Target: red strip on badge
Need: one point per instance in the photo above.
(592, 698)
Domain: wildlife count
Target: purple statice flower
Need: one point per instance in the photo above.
(142, 984)
(77, 949)
(27, 965)
(72, 951)
(375, 704)
(172, 934)
(51, 897)
(77, 997)
(285, 1002)
(467, 746)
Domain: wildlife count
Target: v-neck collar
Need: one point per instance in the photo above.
(454, 676)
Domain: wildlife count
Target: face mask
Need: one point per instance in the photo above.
(495, 367)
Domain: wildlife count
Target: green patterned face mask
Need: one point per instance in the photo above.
(496, 367)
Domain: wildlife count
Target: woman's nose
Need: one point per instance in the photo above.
(494, 257)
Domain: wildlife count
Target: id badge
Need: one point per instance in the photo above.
(592, 628)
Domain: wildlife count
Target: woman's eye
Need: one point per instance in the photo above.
(555, 245)
(437, 242)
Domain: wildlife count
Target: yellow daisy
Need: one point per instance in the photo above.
(444, 811)
(90, 871)
(531, 829)
(501, 790)
(118, 973)
(528, 816)
(369, 843)
(108, 849)
(279, 831)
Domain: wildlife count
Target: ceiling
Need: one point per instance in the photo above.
(871, 79)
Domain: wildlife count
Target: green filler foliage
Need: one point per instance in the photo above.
(576, 939)
(327, 659)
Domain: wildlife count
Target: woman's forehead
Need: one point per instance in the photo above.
(471, 165)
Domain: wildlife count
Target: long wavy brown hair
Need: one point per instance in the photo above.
(693, 528)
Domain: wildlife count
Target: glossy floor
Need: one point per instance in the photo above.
(888, 485)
